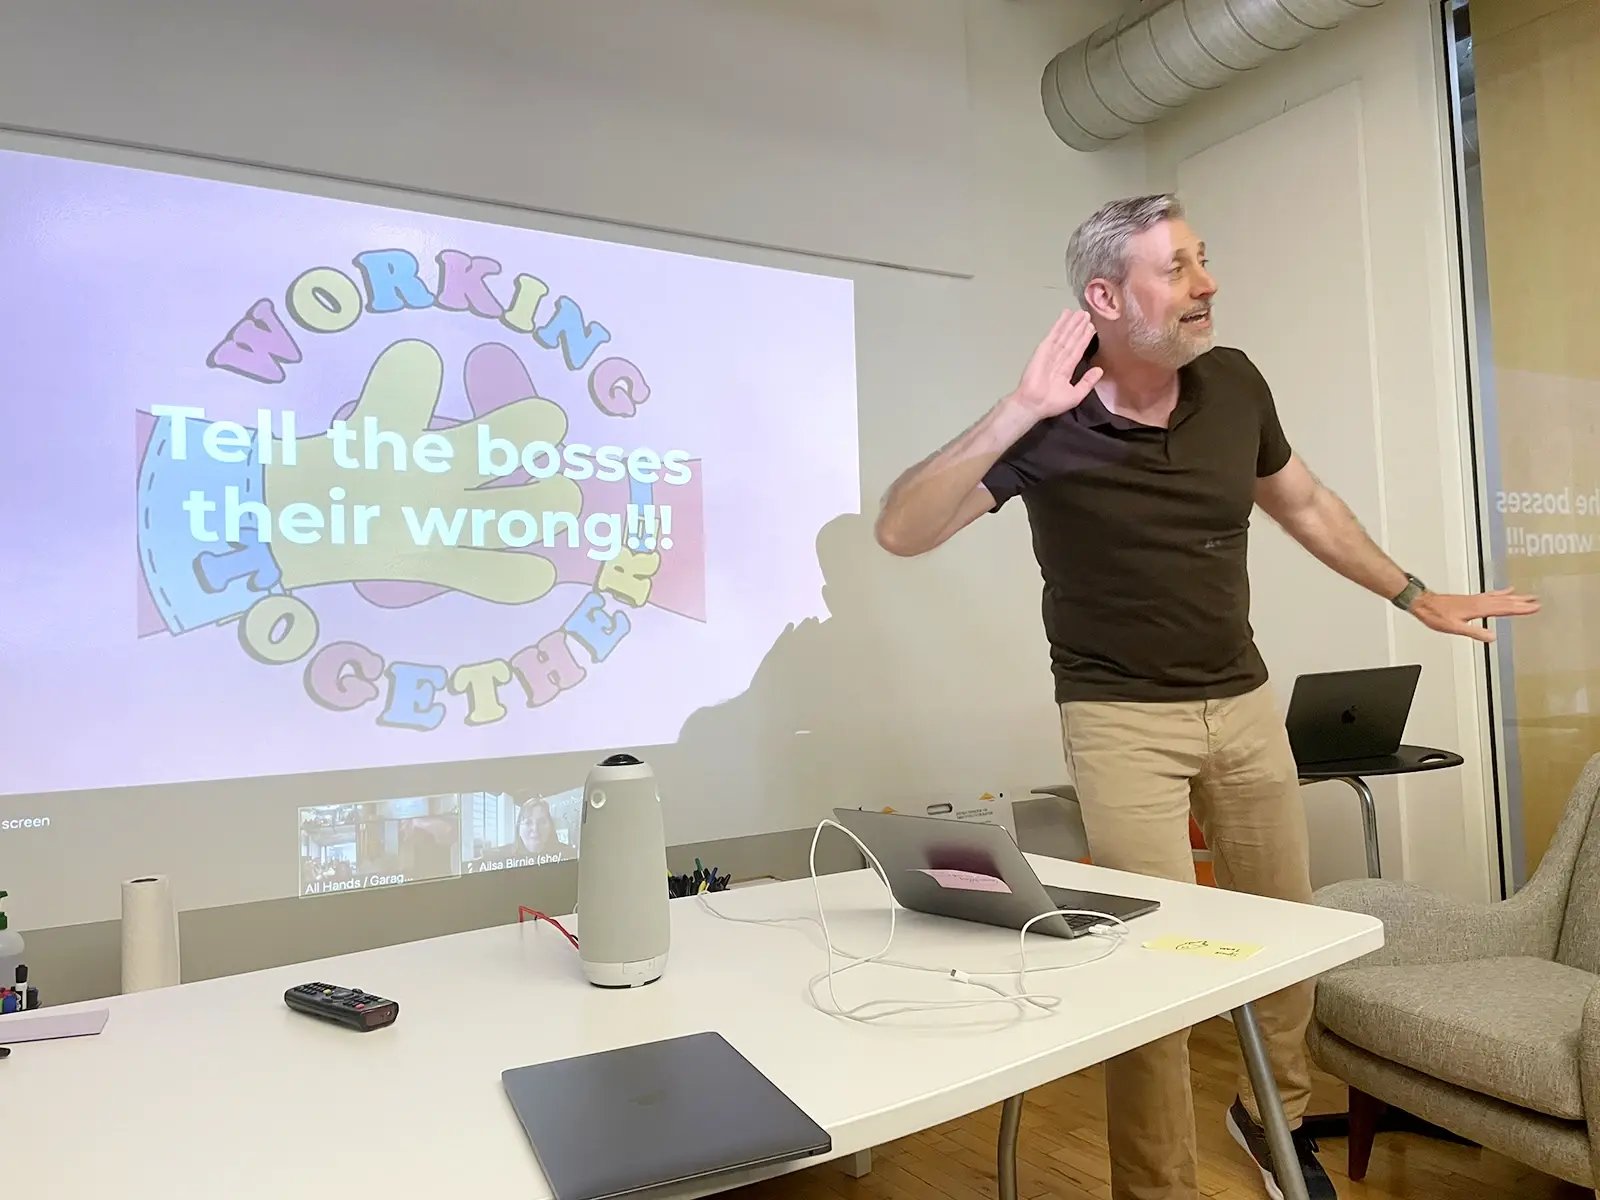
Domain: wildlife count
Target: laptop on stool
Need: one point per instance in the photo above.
(974, 871)
(1348, 716)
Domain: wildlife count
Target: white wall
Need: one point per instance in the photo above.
(1323, 185)
(797, 125)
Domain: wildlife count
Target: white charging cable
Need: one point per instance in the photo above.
(977, 979)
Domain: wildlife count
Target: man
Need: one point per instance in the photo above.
(1139, 452)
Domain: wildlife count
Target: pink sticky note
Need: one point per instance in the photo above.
(967, 881)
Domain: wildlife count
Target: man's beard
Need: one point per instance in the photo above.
(1173, 347)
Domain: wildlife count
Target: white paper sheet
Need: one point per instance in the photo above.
(42, 1027)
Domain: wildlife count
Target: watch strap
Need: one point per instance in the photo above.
(1408, 594)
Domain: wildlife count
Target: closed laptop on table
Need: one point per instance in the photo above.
(626, 1121)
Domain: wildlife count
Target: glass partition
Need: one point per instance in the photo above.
(1526, 78)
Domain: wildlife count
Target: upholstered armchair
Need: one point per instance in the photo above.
(1481, 1019)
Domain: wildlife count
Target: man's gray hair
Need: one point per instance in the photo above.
(1098, 248)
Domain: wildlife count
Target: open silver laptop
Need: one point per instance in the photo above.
(974, 871)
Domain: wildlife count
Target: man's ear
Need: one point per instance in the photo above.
(1102, 299)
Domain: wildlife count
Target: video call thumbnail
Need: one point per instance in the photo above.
(381, 843)
(500, 830)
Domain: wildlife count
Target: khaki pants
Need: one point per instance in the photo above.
(1139, 769)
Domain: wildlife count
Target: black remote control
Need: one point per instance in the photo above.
(348, 1006)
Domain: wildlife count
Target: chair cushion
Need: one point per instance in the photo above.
(1503, 1027)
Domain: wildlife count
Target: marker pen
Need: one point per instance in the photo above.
(22, 988)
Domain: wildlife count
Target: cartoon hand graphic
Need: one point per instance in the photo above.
(399, 398)
(494, 377)
(193, 578)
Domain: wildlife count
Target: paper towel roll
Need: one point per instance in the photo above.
(149, 934)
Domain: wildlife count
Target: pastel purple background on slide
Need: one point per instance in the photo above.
(118, 284)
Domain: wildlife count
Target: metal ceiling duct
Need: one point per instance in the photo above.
(1156, 58)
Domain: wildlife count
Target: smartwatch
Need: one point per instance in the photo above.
(1408, 595)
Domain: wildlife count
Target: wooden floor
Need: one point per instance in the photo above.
(1059, 1158)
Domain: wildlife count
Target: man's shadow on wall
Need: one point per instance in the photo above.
(842, 706)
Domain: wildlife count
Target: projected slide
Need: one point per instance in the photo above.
(295, 484)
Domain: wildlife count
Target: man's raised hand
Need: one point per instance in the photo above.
(1046, 388)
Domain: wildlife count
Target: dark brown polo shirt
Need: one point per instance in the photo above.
(1141, 535)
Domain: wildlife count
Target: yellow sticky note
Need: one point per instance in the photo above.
(1206, 947)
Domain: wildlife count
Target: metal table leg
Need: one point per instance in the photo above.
(1369, 824)
(1006, 1151)
(1285, 1161)
(1369, 819)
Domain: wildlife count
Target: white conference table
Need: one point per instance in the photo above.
(216, 1088)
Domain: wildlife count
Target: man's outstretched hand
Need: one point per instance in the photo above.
(1046, 388)
(1459, 614)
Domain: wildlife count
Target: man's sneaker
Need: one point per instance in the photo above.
(1254, 1140)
